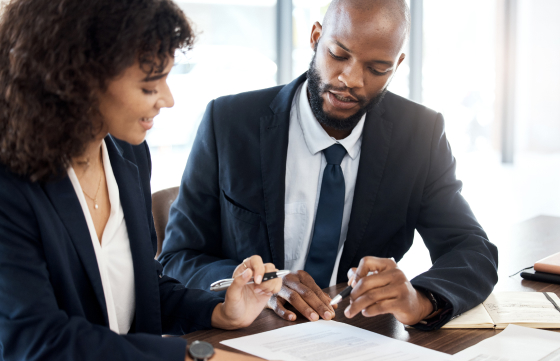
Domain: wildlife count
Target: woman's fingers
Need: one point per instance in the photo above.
(271, 286)
(234, 291)
(254, 263)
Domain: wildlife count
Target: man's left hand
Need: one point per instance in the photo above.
(387, 291)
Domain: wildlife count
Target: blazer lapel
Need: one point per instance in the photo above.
(274, 150)
(145, 276)
(66, 203)
(375, 149)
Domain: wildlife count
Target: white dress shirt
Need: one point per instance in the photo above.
(304, 174)
(114, 258)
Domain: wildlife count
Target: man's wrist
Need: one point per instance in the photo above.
(427, 304)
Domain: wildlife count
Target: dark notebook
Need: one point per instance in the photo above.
(541, 276)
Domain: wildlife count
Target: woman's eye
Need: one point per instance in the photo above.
(149, 92)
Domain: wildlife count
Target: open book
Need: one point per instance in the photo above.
(529, 309)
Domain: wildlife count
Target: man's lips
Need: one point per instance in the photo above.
(341, 101)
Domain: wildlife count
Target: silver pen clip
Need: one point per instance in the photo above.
(225, 283)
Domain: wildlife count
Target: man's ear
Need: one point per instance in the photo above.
(401, 58)
(316, 32)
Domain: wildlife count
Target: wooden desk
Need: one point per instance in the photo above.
(527, 242)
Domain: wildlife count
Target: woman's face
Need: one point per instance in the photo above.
(132, 100)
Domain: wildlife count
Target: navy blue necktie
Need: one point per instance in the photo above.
(328, 220)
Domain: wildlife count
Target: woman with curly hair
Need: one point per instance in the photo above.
(80, 85)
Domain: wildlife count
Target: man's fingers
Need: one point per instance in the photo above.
(277, 305)
(374, 264)
(351, 275)
(326, 300)
(375, 281)
(381, 308)
(309, 303)
(369, 298)
(299, 303)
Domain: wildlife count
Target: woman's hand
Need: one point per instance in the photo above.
(245, 302)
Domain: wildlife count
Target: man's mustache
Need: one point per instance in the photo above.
(328, 87)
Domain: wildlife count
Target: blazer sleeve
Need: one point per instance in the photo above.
(177, 302)
(32, 325)
(465, 263)
(192, 251)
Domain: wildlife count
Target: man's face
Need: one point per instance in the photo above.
(355, 59)
(317, 89)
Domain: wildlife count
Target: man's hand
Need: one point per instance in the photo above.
(387, 291)
(300, 290)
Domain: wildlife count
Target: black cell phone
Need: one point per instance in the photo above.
(541, 277)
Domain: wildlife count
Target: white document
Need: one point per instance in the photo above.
(515, 343)
(330, 341)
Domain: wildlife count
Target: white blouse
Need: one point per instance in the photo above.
(114, 258)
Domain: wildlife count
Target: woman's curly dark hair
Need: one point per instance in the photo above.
(56, 55)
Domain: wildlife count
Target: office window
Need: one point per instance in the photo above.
(459, 70)
(235, 52)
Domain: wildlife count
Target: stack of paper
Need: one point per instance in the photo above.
(330, 341)
(515, 343)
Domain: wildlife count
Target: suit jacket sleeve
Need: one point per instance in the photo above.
(33, 325)
(192, 251)
(465, 263)
(177, 302)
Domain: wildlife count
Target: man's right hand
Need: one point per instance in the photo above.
(300, 290)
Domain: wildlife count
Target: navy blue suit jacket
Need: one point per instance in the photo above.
(52, 305)
(231, 200)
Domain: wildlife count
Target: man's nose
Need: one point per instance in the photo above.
(352, 76)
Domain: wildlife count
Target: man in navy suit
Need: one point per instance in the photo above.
(329, 173)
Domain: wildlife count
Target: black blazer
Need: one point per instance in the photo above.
(231, 199)
(52, 305)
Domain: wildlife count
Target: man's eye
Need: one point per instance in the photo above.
(149, 92)
(375, 72)
(335, 56)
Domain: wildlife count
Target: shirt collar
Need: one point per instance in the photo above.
(316, 137)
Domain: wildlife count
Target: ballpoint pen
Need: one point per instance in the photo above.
(225, 283)
(341, 295)
(346, 292)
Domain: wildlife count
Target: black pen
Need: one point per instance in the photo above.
(341, 295)
(346, 292)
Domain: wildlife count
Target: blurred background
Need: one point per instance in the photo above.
(491, 67)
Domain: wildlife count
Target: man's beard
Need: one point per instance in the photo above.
(316, 88)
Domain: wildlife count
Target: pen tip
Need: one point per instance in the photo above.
(335, 300)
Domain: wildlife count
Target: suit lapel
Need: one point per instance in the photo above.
(274, 132)
(65, 201)
(375, 149)
(134, 208)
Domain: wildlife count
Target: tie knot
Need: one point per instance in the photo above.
(334, 154)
